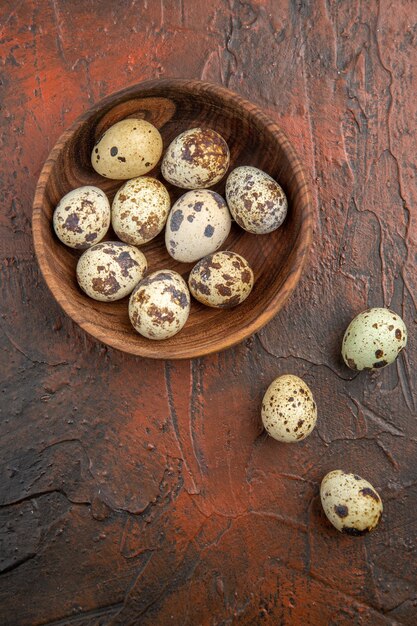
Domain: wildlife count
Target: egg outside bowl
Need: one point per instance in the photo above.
(277, 259)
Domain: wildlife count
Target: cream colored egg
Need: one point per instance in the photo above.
(140, 209)
(256, 201)
(198, 224)
(350, 503)
(195, 159)
(127, 149)
(289, 412)
(82, 217)
(373, 339)
(160, 305)
(221, 280)
(110, 270)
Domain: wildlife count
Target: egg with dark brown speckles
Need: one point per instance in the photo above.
(256, 201)
(127, 149)
(350, 503)
(221, 280)
(110, 270)
(140, 209)
(373, 339)
(160, 305)
(82, 217)
(197, 158)
(289, 412)
(198, 224)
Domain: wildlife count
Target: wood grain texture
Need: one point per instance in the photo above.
(142, 491)
(277, 259)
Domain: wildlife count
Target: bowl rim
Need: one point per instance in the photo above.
(156, 349)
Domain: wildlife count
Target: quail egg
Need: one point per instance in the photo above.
(256, 201)
(289, 412)
(222, 280)
(82, 217)
(351, 504)
(160, 305)
(198, 224)
(110, 270)
(195, 159)
(127, 149)
(140, 209)
(373, 339)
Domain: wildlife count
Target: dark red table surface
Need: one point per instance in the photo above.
(141, 492)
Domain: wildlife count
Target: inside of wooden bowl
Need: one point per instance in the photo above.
(277, 258)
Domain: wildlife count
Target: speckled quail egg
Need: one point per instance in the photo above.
(256, 201)
(160, 305)
(82, 217)
(127, 149)
(110, 270)
(195, 159)
(140, 209)
(222, 280)
(373, 339)
(198, 224)
(351, 504)
(289, 412)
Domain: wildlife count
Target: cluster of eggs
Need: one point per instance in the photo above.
(372, 341)
(196, 226)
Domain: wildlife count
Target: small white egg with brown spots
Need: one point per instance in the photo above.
(140, 209)
(197, 158)
(350, 503)
(82, 217)
(374, 339)
(256, 201)
(127, 149)
(289, 412)
(221, 280)
(110, 270)
(198, 224)
(160, 305)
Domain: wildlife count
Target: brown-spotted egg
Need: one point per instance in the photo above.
(140, 209)
(110, 270)
(82, 217)
(197, 158)
(221, 280)
(160, 305)
(198, 224)
(256, 201)
(127, 149)
(289, 412)
(350, 503)
(373, 339)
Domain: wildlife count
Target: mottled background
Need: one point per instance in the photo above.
(140, 492)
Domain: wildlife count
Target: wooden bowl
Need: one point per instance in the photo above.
(277, 259)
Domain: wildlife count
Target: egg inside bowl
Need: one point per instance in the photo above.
(277, 258)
